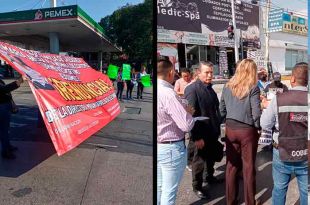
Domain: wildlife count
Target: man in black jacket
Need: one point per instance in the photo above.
(5, 116)
(204, 135)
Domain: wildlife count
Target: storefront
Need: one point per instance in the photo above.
(288, 43)
(57, 30)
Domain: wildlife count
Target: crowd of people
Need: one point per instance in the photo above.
(249, 104)
(135, 81)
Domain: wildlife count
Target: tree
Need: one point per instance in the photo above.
(130, 28)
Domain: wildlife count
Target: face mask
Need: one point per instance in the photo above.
(264, 78)
(277, 83)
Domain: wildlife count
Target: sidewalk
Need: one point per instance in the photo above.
(112, 167)
(216, 192)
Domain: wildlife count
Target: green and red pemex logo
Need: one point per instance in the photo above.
(38, 15)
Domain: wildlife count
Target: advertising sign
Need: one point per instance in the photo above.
(223, 62)
(220, 40)
(295, 24)
(259, 57)
(40, 14)
(171, 36)
(75, 100)
(275, 20)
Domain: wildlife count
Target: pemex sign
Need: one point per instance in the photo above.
(56, 13)
(39, 15)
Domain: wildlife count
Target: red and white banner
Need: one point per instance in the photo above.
(75, 100)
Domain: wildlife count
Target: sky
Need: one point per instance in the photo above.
(96, 9)
(295, 5)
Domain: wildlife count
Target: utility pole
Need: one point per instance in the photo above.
(267, 34)
(233, 14)
(53, 3)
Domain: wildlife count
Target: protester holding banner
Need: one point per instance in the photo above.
(120, 85)
(112, 72)
(240, 106)
(287, 116)
(140, 85)
(6, 108)
(130, 85)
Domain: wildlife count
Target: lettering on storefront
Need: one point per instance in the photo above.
(293, 28)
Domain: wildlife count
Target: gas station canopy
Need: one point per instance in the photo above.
(69, 25)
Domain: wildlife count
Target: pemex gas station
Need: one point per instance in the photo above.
(58, 30)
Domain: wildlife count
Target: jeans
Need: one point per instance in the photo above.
(5, 118)
(139, 90)
(281, 173)
(171, 163)
(120, 88)
(130, 86)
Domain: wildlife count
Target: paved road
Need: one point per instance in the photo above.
(112, 167)
(217, 192)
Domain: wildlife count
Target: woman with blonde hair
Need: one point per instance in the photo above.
(240, 106)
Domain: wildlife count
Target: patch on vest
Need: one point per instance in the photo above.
(299, 153)
(294, 117)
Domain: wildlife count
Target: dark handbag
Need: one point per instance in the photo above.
(14, 108)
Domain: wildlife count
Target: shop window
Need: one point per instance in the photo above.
(203, 53)
(192, 55)
(294, 56)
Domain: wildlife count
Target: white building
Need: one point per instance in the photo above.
(289, 44)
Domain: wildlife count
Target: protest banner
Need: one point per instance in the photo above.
(265, 138)
(126, 72)
(75, 100)
(112, 71)
(146, 80)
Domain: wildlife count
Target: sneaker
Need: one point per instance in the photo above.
(189, 168)
(201, 194)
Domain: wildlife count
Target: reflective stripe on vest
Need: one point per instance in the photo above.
(293, 109)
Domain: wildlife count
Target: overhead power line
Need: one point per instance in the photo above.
(23, 5)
